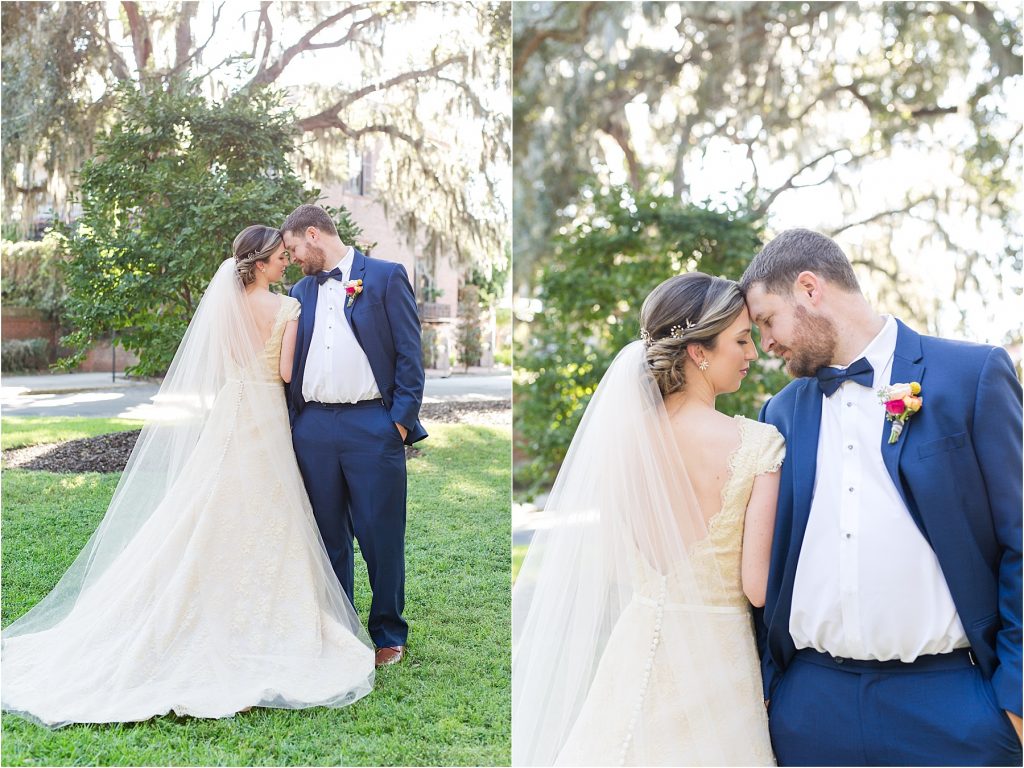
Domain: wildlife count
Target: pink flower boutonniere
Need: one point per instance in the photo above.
(901, 402)
(352, 289)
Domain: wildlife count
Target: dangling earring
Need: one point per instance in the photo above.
(703, 365)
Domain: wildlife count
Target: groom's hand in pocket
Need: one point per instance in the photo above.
(1016, 724)
(404, 432)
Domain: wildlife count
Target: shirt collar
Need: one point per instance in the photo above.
(345, 265)
(880, 350)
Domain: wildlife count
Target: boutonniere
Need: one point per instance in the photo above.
(901, 401)
(352, 289)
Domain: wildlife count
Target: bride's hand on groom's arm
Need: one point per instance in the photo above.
(1015, 719)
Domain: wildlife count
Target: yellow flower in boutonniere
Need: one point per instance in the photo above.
(352, 289)
(901, 401)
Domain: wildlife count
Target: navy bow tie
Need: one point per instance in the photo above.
(334, 274)
(830, 379)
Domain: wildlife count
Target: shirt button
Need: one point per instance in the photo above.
(850, 447)
(849, 404)
(849, 535)
(851, 487)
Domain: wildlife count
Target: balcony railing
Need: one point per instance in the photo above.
(432, 310)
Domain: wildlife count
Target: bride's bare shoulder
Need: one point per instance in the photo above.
(707, 426)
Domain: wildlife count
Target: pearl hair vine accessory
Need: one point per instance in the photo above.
(675, 332)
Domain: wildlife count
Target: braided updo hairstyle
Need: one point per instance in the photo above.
(686, 309)
(253, 245)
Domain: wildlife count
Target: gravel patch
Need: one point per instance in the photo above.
(497, 413)
(109, 453)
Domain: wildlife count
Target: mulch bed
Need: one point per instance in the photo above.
(109, 453)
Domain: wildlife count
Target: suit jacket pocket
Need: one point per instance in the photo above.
(942, 445)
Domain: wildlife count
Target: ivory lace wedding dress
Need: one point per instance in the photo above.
(645, 669)
(213, 592)
(633, 643)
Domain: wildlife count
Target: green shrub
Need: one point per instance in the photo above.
(33, 274)
(467, 340)
(429, 341)
(616, 247)
(24, 355)
(173, 181)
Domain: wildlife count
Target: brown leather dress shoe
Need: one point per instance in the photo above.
(389, 655)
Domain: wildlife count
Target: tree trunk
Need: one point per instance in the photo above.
(183, 41)
(142, 42)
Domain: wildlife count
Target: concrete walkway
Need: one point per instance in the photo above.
(97, 395)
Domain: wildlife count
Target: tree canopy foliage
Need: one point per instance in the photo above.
(794, 105)
(404, 98)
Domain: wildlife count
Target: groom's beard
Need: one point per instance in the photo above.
(313, 260)
(814, 344)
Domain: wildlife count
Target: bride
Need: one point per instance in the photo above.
(632, 634)
(206, 589)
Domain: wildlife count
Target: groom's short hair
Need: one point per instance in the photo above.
(309, 216)
(794, 251)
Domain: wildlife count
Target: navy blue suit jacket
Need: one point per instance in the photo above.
(386, 324)
(958, 467)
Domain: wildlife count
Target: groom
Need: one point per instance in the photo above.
(892, 624)
(354, 401)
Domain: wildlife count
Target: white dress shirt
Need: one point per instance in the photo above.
(337, 370)
(867, 585)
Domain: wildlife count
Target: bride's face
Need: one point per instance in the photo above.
(277, 264)
(729, 362)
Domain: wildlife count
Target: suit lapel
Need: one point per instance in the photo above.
(807, 425)
(907, 366)
(309, 296)
(357, 273)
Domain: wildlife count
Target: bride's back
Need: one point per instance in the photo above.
(706, 440)
(264, 306)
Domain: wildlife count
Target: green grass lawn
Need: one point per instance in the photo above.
(19, 431)
(518, 555)
(447, 704)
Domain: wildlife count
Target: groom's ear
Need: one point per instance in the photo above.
(808, 288)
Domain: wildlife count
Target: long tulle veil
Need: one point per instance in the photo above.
(622, 506)
(206, 588)
(220, 343)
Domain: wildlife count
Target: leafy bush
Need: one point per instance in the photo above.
(173, 181)
(613, 251)
(432, 347)
(467, 339)
(33, 274)
(24, 355)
